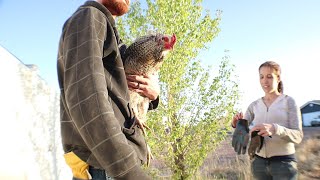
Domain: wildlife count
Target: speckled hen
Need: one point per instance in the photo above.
(145, 57)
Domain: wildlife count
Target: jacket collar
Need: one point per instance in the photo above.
(102, 8)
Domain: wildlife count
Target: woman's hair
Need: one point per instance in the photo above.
(276, 67)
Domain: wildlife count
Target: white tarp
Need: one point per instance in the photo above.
(29, 131)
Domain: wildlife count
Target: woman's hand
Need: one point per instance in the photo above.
(236, 118)
(147, 86)
(264, 129)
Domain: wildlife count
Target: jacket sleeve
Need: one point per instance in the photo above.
(154, 104)
(87, 96)
(293, 133)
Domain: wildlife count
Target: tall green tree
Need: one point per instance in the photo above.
(197, 102)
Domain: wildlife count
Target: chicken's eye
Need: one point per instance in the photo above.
(165, 39)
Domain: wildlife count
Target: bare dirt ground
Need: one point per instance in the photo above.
(311, 131)
(308, 154)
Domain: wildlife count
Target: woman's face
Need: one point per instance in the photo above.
(268, 79)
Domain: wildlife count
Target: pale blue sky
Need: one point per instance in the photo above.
(254, 31)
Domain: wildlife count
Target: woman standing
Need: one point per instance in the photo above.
(277, 118)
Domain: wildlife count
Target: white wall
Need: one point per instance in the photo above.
(29, 130)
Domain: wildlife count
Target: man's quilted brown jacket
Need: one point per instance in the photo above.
(96, 118)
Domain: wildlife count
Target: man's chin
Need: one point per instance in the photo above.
(120, 13)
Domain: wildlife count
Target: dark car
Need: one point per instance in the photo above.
(315, 123)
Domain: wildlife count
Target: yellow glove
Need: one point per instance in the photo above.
(80, 169)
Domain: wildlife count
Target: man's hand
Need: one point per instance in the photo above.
(240, 136)
(147, 86)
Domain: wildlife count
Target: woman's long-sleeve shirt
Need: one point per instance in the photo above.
(284, 114)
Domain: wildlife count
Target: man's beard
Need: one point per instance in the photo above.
(117, 8)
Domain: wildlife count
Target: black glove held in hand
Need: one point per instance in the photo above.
(256, 144)
(240, 136)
